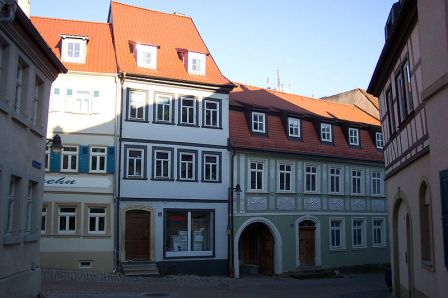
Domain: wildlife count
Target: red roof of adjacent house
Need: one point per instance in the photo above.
(170, 32)
(100, 55)
(276, 139)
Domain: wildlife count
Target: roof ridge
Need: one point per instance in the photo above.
(69, 20)
(151, 10)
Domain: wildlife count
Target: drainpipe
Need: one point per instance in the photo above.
(230, 216)
(11, 8)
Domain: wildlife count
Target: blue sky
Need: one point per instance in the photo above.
(321, 47)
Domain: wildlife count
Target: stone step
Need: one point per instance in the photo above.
(140, 269)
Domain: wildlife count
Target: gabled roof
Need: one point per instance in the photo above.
(100, 56)
(170, 32)
(254, 96)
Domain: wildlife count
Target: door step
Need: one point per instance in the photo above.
(311, 272)
(140, 268)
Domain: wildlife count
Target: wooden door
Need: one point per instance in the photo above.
(137, 235)
(307, 246)
(266, 251)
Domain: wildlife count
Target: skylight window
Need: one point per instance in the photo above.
(73, 48)
(146, 56)
(196, 63)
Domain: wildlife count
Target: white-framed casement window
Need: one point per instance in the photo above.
(189, 233)
(353, 135)
(67, 220)
(376, 183)
(97, 220)
(21, 84)
(74, 49)
(294, 127)
(211, 113)
(137, 105)
(81, 103)
(77, 101)
(325, 132)
(36, 116)
(258, 122)
(335, 182)
(69, 158)
(196, 63)
(357, 183)
(188, 111)
(164, 110)
(311, 176)
(359, 232)
(187, 166)
(257, 175)
(285, 177)
(98, 159)
(47, 158)
(12, 198)
(29, 206)
(337, 233)
(379, 231)
(211, 171)
(135, 162)
(44, 221)
(379, 140)
(146, 56)
(162, 164)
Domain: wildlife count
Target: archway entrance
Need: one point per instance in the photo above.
(256, 248)
(307, 243)
(137, 235)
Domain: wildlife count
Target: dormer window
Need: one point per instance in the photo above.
(196, 63)
(353, 136)
(293, 127)
(258, 122)
(73, 48)
(146, 56)
(325, 132)
(379, 140)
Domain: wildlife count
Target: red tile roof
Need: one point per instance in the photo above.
(170, 32)
(277, 140)
(100, 56)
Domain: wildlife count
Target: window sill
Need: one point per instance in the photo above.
(4, 106)
(311, 192)
(31, 237)
(257, 191)
(97, 236)
(164, 122)
(9, 239)
(286, 192)
(135, 178)
(336, 194)
(428, 265)
(379, 246)
(188, 125)
(357, 195)
(211, 181)
(21, 119)
(187, 180)
(137, 120)
(211, 127)
(335, 250)
(61, 235)
(98, 173)
(361, 247)
(39, 131)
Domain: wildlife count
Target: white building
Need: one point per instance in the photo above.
(173, 179)
(27, 69)
(78, 209)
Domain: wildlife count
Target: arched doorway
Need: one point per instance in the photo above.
(307, 243)
(256, 248)
(137, 235)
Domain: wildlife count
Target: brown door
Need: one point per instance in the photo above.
(266, 251)
(307, 246)
(137, 235)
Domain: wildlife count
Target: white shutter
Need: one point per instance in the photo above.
(96, 102)
(68, 99)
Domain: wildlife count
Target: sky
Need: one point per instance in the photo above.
(319, 47)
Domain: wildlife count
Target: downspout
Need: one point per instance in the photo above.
(11, 7)
(121, 76)
(230, 216)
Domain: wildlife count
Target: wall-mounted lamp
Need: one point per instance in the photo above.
(55, 144)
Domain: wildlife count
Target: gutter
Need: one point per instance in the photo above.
(230, 252)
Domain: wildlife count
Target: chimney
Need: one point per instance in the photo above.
(25, 6)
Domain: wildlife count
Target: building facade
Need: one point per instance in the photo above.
(311, 177)
(78, 209)
(27, 69)
(174, 128)
(410, 80)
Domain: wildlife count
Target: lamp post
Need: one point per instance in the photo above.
(237, 190)
(55, 144)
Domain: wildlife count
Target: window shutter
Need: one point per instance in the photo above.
(83, 159)
(110, 159)
(55, 162)
(96, 102)
(68, 101)
(57, 105)
(444, 197)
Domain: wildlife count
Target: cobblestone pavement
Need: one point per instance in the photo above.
(80, 284)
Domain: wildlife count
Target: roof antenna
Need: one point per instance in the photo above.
(278, 79)
(267, 83)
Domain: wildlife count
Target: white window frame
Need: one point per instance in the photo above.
(379, 140)
(137, 103)
(188, 164)
(45, 220)
(341, 177)
(69, 162)
(143, 52)
(165, 106)
(134, 160)
(211, 166)
(75, 40)
(67, 216)
(341, 228)
(294, 127)
(361, 181)
(382, 232)
(326, 132)
(316, 175)
(362, 229)
(82, 102)
(259, 120)
(47, 159)
(162, 161)
(98, 156)
(208, 121)
(12, 198)
(263, 172)
(29, 206)
(19, 101)
(285, 172)
(193, 67)
(353, 136)
(376, 181)
(97, 216)
(182, 106)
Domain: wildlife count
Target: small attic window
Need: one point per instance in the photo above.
(146, 56)
(196, 63)
(74, 48)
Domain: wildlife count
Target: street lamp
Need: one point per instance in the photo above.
(55, 144)
(237, 189)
